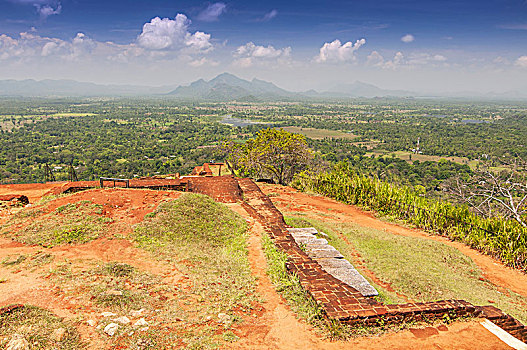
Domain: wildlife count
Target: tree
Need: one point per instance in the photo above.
(273, 153)
(495, 193)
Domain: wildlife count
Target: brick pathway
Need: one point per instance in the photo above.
(344, 303)
(338, 300)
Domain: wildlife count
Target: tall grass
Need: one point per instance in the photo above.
(499, 237)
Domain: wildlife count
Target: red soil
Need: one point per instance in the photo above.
(275, 326)
(34, 192)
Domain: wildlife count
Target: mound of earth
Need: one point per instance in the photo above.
(120, 284)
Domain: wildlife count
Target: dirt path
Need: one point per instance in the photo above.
(292, 200)
(276, 327)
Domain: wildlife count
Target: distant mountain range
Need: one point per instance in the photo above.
(224, 87)
(227, 87)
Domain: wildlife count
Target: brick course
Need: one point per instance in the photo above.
(344, 303)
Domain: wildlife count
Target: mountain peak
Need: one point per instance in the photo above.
(227, 86)
(227, 78)
(226, 75)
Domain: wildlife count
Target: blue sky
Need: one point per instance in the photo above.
(434, 45)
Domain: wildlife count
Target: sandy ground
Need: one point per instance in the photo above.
(276, 326)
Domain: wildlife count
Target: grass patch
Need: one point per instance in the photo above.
(11, 260)
(39, 328)
(73, 223)
(420, 268)
(207, 241)
(113, 286)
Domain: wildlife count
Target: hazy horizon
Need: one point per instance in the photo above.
(428, 47)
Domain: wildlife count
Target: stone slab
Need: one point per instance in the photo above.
(324, 253)
(319, 246)
(353, 278)
(311, 230)
(302, 234)
(325, 247)
(335, 263)
(312, 241)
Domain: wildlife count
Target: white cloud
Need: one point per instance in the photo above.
(269, 16)
(338, 52)
(375, 59)
(30, 46)
(250, 53)
(212, 12)
(172, 34)
(398, 60)
(81, 45)
(408, 38)
(45, 8)
(252, 50)
(48, 10)
(521, 62)
(161, 39)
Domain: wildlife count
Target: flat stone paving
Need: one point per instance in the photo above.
(331, 260)
(337, 298)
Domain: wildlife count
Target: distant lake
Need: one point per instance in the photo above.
(229, 120)
(474, 121)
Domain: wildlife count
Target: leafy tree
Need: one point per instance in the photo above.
(273, 153)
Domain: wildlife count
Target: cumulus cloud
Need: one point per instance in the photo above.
(81, 45)
(269, 16)
(397, 61)
(173, 34)
(338, 52)
(521, 62)
(408, 38)
(48, 10)
(250, 53)
(30, 46)
(212, 12)
(375, 59)
(161, 39)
